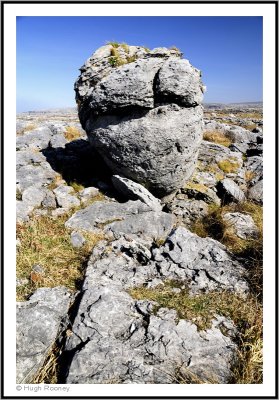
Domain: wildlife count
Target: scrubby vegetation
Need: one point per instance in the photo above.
(72, 133)
(229, 166)
(46, 242)
(250, 251)
(217, 137)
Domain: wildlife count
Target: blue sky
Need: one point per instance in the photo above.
(50, 51)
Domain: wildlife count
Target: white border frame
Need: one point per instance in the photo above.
(128, 9)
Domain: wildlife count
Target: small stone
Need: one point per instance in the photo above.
(33, 196)
(244, 225)
(87, 194)
(64, 197)
(49, 200)
(77, 240)
(21, 282)
(255, 193)
(176, 290)
(38, 269)
(22, 211)
(135, 191)
(229, 191)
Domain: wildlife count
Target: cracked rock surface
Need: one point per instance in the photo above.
(38, 323)
(144, 117)
(116, 339)
(132, 217)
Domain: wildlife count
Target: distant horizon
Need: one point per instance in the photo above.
(71, 107)
(50, 51)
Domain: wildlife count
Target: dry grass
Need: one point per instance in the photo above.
(217, 137)
(229, 166)
(48, 373)
(201, 309)
(113, 43)
(250, 175)
(250, 251)
(72, 133)
(76, 186)
(252, 115)
(46, 241)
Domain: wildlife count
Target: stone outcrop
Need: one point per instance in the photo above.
(38, 324)
(117, 339)
(133, 217)
(141, 111)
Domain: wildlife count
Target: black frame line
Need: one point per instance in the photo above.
(275, 2)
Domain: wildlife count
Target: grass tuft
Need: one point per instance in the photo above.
(217, 137)
(114, 44)
(229, 166)
(76, 186)
(72, 133)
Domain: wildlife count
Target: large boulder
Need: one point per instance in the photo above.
(141, 111)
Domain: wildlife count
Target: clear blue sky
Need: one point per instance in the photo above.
(50, 50)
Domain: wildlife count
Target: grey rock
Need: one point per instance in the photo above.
(58, 140)
(35, 176)
(188, 210)
(23, 211)
(133, 217)
(128, 86)
(202, 262)
(179, 82)
(156, 98)
(65, 198)
(212, 153)
(49, 200)
(254, 165)
(33, 196)
(77, 240)
(255, 193)
(208, 179)
(201, 192)
(38, 268)
(135, 191)
(243, 225)
(87, 194)
(229, 191)
(164, 158)
(37, 139)
(24, 157)
(240, 135)
(116, 339)
(37, 327)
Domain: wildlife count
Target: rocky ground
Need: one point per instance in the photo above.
(116, 286)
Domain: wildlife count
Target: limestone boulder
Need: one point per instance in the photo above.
(142, 112)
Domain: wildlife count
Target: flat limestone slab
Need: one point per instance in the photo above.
(37, 327)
